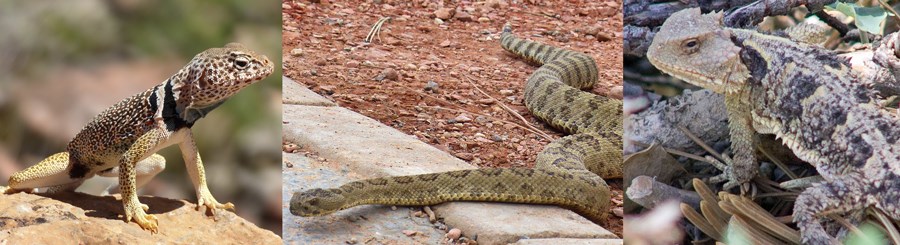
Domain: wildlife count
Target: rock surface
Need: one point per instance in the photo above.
(78, 218)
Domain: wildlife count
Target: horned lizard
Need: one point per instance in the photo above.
(804, 94)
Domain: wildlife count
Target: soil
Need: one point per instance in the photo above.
(421, 74)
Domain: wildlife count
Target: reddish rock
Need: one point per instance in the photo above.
(463, 16)
(78, 218)
(443, 13)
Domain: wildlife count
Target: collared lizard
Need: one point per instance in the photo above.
(804, 94)
(123, 139)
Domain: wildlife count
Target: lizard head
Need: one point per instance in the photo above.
(215, 75)
(697, 48)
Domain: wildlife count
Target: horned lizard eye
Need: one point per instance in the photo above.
(691, 45)
(241, 62)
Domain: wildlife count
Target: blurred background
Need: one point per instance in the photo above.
(63, 62)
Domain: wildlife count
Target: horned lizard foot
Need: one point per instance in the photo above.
(727, 175)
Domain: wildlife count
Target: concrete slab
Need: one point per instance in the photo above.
(296, 94)
(366, 148)
(569, 241)
(502, 223)
(365, 225)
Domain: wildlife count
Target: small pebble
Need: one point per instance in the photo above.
(462, 118)
(410, 232)
(454, 234)
(463, 16)
(496, 138)
(431, 86)
(443, 13)
(388, 74)
(486, 101)
(297, 52)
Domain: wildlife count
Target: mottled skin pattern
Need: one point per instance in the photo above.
(803, 94)
(567, 172)
(121, 141)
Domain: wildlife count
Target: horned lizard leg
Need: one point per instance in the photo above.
(823, 199)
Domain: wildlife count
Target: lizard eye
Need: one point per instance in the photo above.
(691, 45)
(241, 63)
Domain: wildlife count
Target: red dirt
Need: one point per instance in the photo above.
(324, 50)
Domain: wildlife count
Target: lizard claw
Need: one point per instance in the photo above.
(727, 175)
(137, 212)
(206, 199)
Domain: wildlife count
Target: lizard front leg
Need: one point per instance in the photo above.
(194, 166)
(128, 184)
(743, 166)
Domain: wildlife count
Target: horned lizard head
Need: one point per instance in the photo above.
(697, 48)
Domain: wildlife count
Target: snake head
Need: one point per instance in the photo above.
(317, 202)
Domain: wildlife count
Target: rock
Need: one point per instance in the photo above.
(463, 16)
(462, 118)
(389, 74)
(352, 64)
(608, 11)
(78, 218)
(454, 234)
(445, 43)
(616, 92)
(297, 52)
(443, 13)
(411, 67)
(410, 232)
(431, 86)
(507, 92)
(497, 4)
(483, 19)
(603, 37)
(392, 41)
(487, 101)
(437, 21)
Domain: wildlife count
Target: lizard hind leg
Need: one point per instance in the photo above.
(837, 197)
(54, 172)
(145, 170)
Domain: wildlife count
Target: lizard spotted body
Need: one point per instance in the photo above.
(801, 93)
(122, 140)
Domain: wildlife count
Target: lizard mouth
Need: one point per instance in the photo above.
(717, 85)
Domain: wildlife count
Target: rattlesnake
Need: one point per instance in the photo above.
(567, 172)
